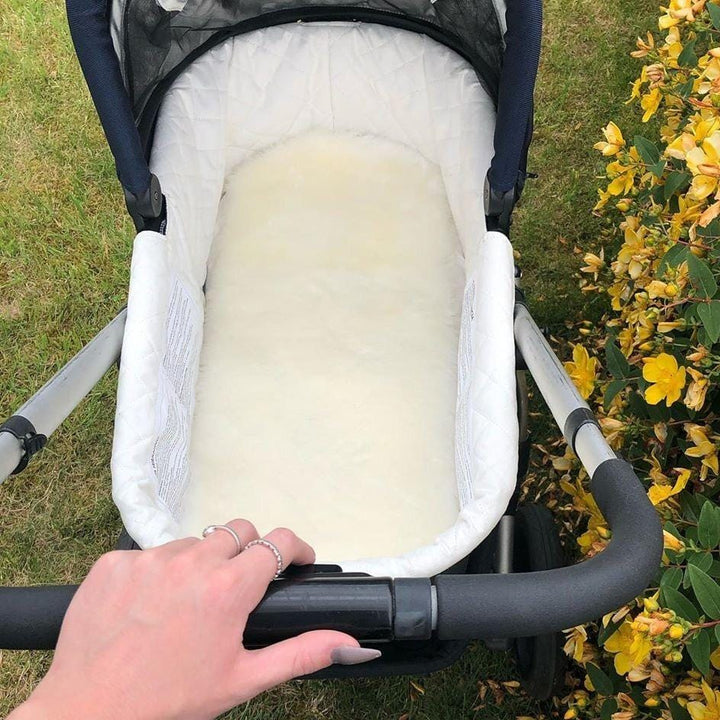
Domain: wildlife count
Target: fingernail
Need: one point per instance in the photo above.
(351, 655)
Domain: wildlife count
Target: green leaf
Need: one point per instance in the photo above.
(691, 313)
(609, 707)
(687, 57)
(701, 560)
(701, 277)
(699, 650)
(686, 88)
(707, 591)
(671, 578)
(674, 182)
(691, 507)
(717, 633)
(617, 364)
(647, 149)
(613, 389)
(709, 314)
(709, 527)
(673, 257)
(657, 170)
(677, 711)
(676, 601)
(714, 12)
(601, 682)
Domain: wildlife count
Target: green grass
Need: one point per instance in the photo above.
(65, 246)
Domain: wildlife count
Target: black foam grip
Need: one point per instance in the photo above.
(30, 617)
(536, 603)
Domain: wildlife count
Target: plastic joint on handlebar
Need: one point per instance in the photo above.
(31, 441)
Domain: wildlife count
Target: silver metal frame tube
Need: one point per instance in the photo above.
(50, 405)
(558, 389)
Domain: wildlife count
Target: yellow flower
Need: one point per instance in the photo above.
(710, 709)
(614, 140)
(681, 146)
(630, 647)
(644, 46)
(650, 103)
(679, 11)
(688, 212)
(704, 163)
(594, 263)
(695, 395)
(666, 327)
(613, 430)
(711, 74)
(656, 289)
(670, 542)
(582, 370)
(703, 448)
(575, 644)
(668, 379)
(660, 493)
(709, 214)
(698, 355)
(623, 205)
(623, 178)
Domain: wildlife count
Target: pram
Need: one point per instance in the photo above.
(190, 91)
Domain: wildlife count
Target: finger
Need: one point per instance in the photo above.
(257, 565)
(301, 655)
(221, 544)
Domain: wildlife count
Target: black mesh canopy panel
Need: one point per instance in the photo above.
(154, 44)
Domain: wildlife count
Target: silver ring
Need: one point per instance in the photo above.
(210, 529)
(273, 549)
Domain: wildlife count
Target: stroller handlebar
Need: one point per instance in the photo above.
(527, 604)
(452, 607)
(455, 607)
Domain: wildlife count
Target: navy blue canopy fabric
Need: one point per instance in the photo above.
(90, 30)
(513, 127)
(164, 42)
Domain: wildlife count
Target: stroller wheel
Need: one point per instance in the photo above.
(540, 659)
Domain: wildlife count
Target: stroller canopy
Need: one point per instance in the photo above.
(132, 50)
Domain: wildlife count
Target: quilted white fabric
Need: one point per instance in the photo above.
(259, 89)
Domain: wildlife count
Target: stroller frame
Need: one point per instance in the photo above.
(423, 624)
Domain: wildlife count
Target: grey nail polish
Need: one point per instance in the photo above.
(351, 655)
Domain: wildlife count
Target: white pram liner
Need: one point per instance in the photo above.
(256, 90)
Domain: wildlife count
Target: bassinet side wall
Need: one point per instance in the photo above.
(397, 85)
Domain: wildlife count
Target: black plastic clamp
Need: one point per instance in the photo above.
(575, 420)
(413, 609)
(147, 208)
(498, 208)
(32, 442)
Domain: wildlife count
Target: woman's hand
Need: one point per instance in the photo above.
(157, 634)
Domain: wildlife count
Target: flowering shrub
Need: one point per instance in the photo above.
(650, 371)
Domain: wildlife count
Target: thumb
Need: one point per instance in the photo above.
(304, 654)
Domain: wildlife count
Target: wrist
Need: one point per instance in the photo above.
(45, 704)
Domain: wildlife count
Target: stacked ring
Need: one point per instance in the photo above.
(210, 529)
(270, 546)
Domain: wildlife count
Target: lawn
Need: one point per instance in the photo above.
(64, 256)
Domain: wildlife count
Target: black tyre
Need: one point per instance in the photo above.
(540, 659)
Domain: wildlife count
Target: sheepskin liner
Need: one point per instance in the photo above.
(329, 362)
(237, 105)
